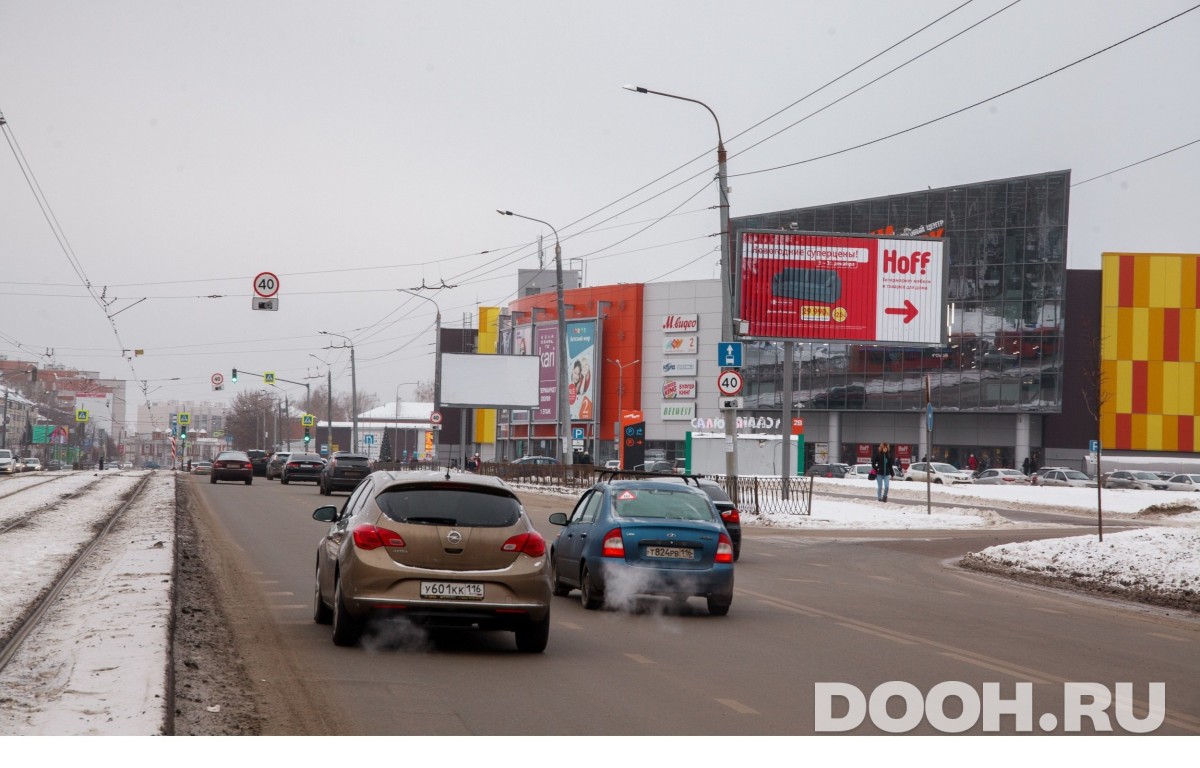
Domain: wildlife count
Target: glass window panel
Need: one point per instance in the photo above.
(917, 214)
(1016, 203)
(861, 218)
(1056, 200)
(842, 220)
(936, 207)
(976, 207)
(879, 215)
(823, 220)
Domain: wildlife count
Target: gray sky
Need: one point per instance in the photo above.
(357, 148)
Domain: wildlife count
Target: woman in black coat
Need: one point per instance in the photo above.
(883, 462)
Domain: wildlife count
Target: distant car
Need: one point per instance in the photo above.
(836, 471)
(612, 464)
(938, 472)
(202, 467)
(259, 459)
(644, 536)
(1065, 478)
(1001, 477)
(302, 467)
(1140, 480)
(32, 464)
(275, 465)
(54, 465)
(1184, 483)
(661, 467)
(535, 460)
(343, 472)
(152, 465)
(127, 465)
(457, 551)
(232, 465)
(859, 472)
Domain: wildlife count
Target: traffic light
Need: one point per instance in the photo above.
(183, 433)
(307, 436)
(33, 375)
(235, 375)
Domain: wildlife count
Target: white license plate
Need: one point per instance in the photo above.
(671, 553)
(452, 590)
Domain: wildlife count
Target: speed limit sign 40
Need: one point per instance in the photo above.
(266, 284)
(729, 382)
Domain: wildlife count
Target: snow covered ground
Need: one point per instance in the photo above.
(98, 668)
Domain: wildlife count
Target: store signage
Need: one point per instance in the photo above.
(679, 390)
(681, 323)
(680, 345)
(680, 367)
(678, 411)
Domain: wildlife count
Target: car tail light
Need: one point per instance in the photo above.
(374, 537)
(614, 545)
(248, 466)
(724, 550)
(731, 516)
(530, 543)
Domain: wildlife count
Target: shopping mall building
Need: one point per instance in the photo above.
(1028, 354)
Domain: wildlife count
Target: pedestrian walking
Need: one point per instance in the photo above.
(1025, 466)
(883, 463)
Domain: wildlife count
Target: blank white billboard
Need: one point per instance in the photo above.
(490, 381)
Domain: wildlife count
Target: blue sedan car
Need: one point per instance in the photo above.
(627, 538)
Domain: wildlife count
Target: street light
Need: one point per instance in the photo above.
(437, 360)
(620, 396)
(396, 426)
(727, 282)
(564, 415)
(353, 393)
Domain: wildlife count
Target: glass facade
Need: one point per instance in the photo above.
(1006, 248)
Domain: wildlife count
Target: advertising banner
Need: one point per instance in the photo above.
(546, 346)
(581, 359)
(522, 340)
(806, 286)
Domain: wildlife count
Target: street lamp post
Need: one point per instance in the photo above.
(353, 392)
(620, 396)
(396, 425)
(437, 361)
(564, 415)
(727, 281)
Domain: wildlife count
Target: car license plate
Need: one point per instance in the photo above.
(670, 553)
(452, 590)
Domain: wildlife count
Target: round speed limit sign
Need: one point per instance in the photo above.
(217, 379)
(729, 382)
(266, 284)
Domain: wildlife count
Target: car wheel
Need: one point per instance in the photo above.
(561, 588)
(213, 479)
(587, 592)
(249, 480)
(325, 490)
(283, 480)
(737, 551)
(346, 628)
(533, 638)
(938, 481)
(322, 614)
(718, 606)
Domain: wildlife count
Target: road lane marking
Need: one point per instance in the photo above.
(1169, 637)
(952, 592)
(878, 633)
(569, 625)
(998, 667)
(279, 594)
(639, 659)
(1049, 610)
(290, 607)
(805, 581)
(737, 706)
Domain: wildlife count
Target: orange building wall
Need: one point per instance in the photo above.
(1150, 352)
(620, 339)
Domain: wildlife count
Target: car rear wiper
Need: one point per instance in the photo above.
(432, 520)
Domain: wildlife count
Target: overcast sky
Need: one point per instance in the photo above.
(354, 149)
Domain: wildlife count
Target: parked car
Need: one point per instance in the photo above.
(275, 464)
(938, 472)
(54, 465)
(1140, 480)
(836, 471)
(644, 536)
(32, 464)
(1071, 478)
(343, 472)
(259, 459)
(151, 464)
(302, 467)
(859, 472)
(1184, 483)
(1001, 477)
(456, 551)
(8, 462)
(535, 460)
(127, 465)
(231, 465)
(202, 467)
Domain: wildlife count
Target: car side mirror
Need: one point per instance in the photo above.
(558, 518)
(326, 514)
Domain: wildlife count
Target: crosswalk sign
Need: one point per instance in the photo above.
(82, 415)
(269, 377)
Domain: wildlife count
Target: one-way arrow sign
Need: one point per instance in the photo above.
(908, 310)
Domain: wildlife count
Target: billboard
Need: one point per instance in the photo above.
(851, 288)
(545, 345)
(581, 362)
(489, 381)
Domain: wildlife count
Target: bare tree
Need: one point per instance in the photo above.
(423, 392)
(1096, 395)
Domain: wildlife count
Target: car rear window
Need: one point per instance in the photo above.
(352, 461)
(661, 503)
(440, 505)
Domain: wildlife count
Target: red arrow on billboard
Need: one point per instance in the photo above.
(908, 310)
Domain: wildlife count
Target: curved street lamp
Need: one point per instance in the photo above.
(564, 414)
(353, 394)
(727, 282)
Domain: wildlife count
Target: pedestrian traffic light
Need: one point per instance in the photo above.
(235, 375)
(307, 436)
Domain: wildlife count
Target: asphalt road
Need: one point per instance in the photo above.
(859, 608)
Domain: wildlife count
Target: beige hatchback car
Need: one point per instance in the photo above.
(439, 548)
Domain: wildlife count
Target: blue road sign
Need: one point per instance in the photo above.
(729, 354)
(1094, 446)
(577, 433)
(929, 417)
(369, 439)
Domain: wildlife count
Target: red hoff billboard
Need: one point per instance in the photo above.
(843, 287)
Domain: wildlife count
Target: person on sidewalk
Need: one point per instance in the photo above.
(883, 463)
